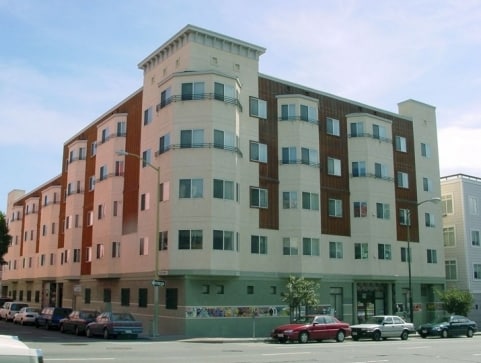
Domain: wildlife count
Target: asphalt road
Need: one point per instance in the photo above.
(58, 347)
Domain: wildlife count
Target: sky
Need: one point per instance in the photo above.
(63, 63)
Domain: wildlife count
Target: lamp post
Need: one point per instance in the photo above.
(408, 220)
(155, 283)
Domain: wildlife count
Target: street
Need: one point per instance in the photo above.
(58, 347)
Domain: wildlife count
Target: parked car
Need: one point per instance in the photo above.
(50, 317)
(77, 321)
(110, 324)
(449, 326)
(26, 315)
(3, 300)
(10, 308)
(14, 350)
(382, 327)
(319, 327)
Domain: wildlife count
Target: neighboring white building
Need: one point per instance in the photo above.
(461, 196)
(256, 179)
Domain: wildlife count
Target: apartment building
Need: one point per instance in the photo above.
(218, 183)
(461, 195)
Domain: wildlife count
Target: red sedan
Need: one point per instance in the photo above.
(319, 327)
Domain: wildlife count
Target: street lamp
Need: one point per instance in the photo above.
(408, 220)
(155, 283)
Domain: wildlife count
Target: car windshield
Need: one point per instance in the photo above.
(122, 317)
(375, 320)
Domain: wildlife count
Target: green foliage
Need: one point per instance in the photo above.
(5, 238)
(456, 301)
(300, 293)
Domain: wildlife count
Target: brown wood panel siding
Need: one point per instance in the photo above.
(406, 198)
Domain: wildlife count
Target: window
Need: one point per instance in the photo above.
(451, 270)
(334, 166)
(402, 180)
(361, 251)
(288, 112)
(148, 116)
(335, 250)
(191, 188)
(473, 205)
(103, 172)
(289, 155)
(224, 140)
(164, 143)
(87, 294)
(308, 113)
(383, 211)
(115, 249)
(380, 171)
(449, 237)
(90, 218)
(258, 108)
(88, 254)
(76, 255)
(124, 297)
(223, 189)
(100, 211)
(335, 208)
(475, 238)
(119, 168)
(171, 297)
(379, 132)
(259, 245)
(384, 251)
(358, 168)
(258, 152)
(404, 254)
(400, 142)
(427, 185)
(429, 220)
(425, 150)
(191, 138)
(310, 201)
(258, 197)
(164, 191)
(357, 129)
(91, 183)
(289, 200)
(477, 271)
(205, 289)
(144, 246)
(115, 208)
(250, 290)
(190, 239)
(193, 91)
(219, 289)
(100, 251)
(121, 128)
(360, 209)
(143, 297)
(163, 240)
(146, 158)
(223, 240)
(333, 126)
(165, 97)
(104, 135)
(224, 92)
(290, 246)
(310, 246)
(447, 204)
(404, 217)
(431, 256)
(93, 148)
(309, 156)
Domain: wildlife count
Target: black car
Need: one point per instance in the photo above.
(50, 317)
(77, 321)
(449, 326)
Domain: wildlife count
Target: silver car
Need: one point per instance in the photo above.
(382, 327)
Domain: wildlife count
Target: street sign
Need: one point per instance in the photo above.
(160, 283)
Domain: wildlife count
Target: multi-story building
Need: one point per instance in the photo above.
(222, 182)
(461, 196)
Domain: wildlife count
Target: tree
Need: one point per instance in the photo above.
(300, 293)
(456, 301)
(5, 238)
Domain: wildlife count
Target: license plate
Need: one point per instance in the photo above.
(128, 331)
(280, 335)
(354, 333)
(424, 331)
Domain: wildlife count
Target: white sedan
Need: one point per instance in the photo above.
(382, 327)
(26, 315)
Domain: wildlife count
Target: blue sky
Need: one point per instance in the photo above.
(65, 62)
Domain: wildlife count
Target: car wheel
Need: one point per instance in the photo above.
(376, 336)
(88, 333)
(444, 334)
(405, 335)
(77, 330)
(340, 336)
(303, 337)
(106, 333)
(469, 333)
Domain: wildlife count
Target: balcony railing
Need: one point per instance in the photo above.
(198, 97)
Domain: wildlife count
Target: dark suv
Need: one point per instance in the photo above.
(50, 317)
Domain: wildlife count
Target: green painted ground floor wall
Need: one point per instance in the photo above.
(229, 306)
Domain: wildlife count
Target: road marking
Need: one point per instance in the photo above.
(76, 359)
(273, 354)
